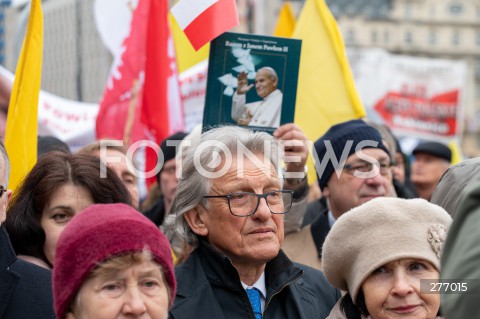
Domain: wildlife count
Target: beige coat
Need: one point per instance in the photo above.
(300, 248)
(305, 245)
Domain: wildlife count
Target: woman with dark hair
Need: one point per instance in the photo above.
(379, 252)
(59, 186)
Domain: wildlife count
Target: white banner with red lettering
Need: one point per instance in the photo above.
(71, 121)
(414, 96)
(193, 85)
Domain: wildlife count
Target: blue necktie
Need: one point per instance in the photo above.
(254, 296)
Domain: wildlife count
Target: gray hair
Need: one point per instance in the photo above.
(193, 185)
(7, 163)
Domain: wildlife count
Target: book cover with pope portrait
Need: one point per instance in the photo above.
(252, 81)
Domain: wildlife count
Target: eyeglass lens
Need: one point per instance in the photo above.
(244, 204)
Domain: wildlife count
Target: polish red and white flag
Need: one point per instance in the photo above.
(204, 20)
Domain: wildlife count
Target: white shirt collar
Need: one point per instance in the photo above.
(259, 284)
(331, 219)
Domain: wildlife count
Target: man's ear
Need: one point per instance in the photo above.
(3, 208)
(9, 195)
(195, 219)
(326, 191)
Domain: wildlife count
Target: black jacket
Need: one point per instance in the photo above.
(209, 287)
(319, 230)
(315, 209)
(156, 213)
(25, 289)
(404, 190)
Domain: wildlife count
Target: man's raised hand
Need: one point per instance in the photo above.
(242, 86)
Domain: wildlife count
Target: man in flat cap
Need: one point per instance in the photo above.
(432, 159)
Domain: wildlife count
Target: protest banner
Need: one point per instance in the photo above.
(70, 121)
(416, 97)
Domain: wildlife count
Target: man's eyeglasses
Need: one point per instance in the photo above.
(3, 190)
(365, 167)
(244, 204)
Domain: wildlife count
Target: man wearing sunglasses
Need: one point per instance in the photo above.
(230, 207)
(25, 289)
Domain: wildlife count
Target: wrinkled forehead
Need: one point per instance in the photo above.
(264, 74)
(243, 168)
(238, 162)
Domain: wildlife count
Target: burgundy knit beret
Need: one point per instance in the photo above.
(96, 234)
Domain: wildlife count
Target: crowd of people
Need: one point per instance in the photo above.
(233, 229)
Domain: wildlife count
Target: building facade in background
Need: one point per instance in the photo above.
(75, 61)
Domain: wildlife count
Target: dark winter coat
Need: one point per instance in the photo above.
(25, 289)
(209, 287)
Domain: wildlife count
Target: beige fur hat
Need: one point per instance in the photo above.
(378, 232)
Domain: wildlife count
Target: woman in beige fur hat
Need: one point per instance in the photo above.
(378, 253)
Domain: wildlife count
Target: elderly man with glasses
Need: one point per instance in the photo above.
(230, 206)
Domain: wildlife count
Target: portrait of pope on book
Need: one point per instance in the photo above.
(264, 113)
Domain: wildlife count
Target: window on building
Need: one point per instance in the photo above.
(385, 37)
(350, 36)
(477, 69)
(478, 11)
(432, 38)
(408, 10)
(455, 38)
(373, 36)
(477, 38)
(408, 37)
(456, 8)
